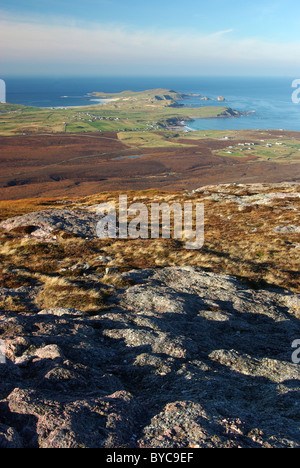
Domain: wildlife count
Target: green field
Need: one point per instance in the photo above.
(268, 150)
(128, 111)
(151, 118)
(144, 139)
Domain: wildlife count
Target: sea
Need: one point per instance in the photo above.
(266, 102)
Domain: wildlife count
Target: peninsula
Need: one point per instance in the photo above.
(126, 111)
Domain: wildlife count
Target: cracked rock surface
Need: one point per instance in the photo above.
(182, 358)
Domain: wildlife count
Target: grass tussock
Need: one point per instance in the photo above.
(59, 292)
(14, 304)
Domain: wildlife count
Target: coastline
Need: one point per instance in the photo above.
(181, 124)
(269, 98)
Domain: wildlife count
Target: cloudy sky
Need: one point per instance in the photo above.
(154, 37)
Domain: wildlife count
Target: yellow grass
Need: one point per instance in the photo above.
(241, 242)
(149, 140)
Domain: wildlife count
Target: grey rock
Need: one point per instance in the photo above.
(183, 358)
(105, 259)
(49, 352)
(287, 229)
(92, 422)
(78, 222)
(262, 194)
(61, 311)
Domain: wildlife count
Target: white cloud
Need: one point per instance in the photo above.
(66, 47)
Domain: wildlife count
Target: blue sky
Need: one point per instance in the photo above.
(160, 37)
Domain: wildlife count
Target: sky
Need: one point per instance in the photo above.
(154, 37)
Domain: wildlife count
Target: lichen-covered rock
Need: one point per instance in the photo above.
(43, 223)
(258, 194)
(61, 311)
(287, 229)
(65, 422)
(183, 358)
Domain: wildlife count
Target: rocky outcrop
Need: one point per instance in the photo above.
(257, 194)
(43, 224)
(230, 113)
(182, 358)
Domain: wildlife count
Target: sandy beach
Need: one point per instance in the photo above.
(97, 102)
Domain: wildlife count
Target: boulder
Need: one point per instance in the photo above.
(43, 224)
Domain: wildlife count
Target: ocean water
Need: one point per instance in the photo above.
(267, 101)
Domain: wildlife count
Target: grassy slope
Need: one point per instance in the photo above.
(288, 152)
(238, 242)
